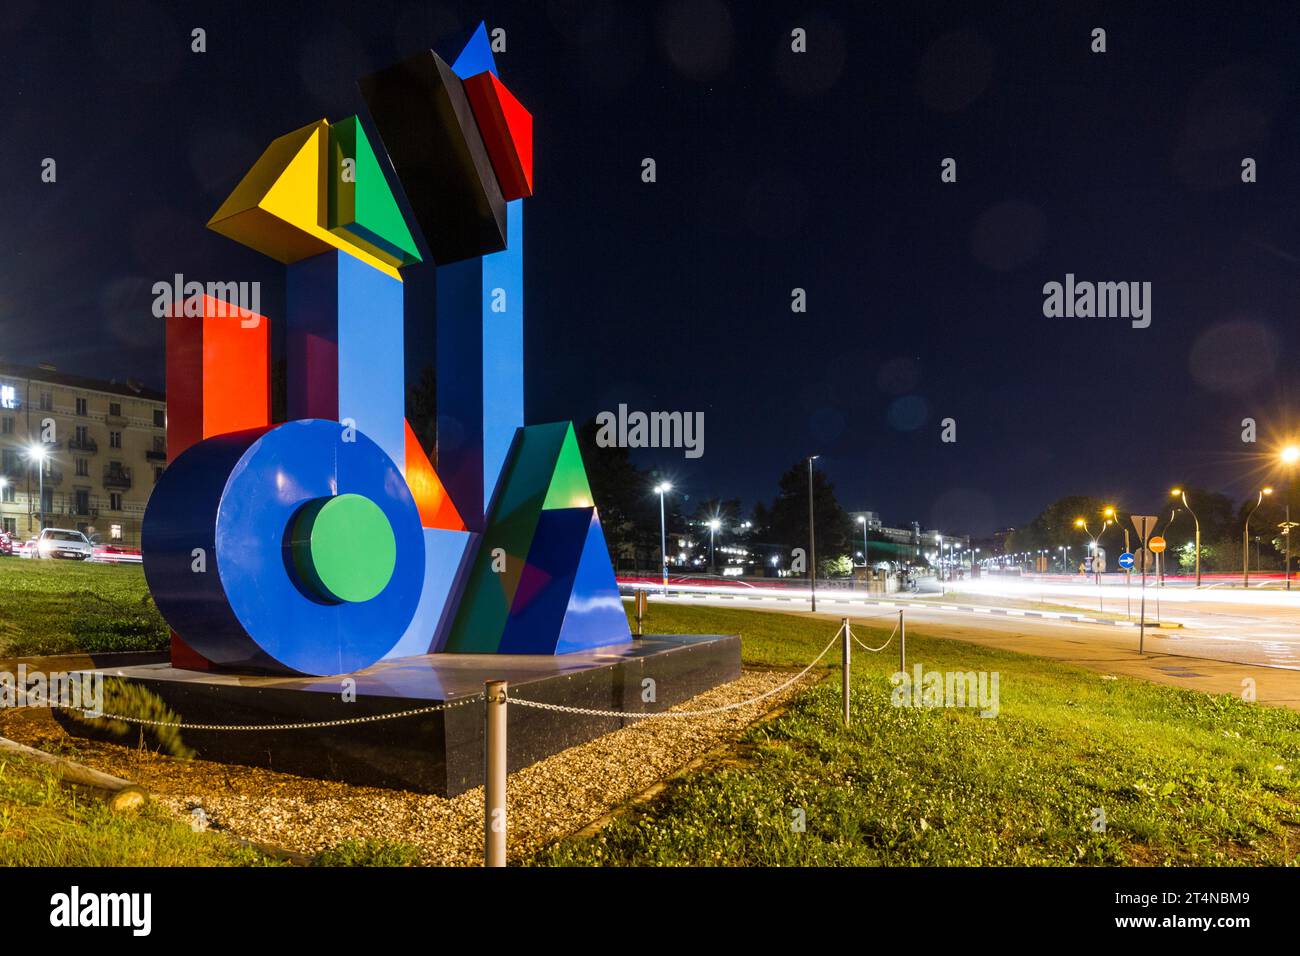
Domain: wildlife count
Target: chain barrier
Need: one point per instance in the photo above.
(875, 650)
(593, 712)
(343, 722)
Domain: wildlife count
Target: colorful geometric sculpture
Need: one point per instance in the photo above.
(507, 131)
(543, 526)
(361, 206)
(331, 541)
(281, 206)
(422, 114)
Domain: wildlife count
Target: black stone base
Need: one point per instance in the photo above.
(441, 752)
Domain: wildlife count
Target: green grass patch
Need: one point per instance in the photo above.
(61, 607)
(43, 823)
(369, 853)
(1182, 777)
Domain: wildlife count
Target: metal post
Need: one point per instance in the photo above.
(640, 602)
(902, 644)
(663, 541)
(812, 539)
(494, 773)
(844, 667)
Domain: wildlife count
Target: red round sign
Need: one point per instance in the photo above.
(1156, 544)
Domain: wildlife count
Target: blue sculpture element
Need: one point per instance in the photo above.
(220, 567)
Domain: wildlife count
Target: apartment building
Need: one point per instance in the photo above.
(78, 452)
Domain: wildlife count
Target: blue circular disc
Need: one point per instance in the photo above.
(234, 497)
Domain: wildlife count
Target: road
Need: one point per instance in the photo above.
(1257, 627)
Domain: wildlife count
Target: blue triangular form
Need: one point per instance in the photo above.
(476, 57)
(568, 597)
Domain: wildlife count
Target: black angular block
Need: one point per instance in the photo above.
(425, 120)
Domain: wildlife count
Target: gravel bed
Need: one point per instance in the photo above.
(551, 799)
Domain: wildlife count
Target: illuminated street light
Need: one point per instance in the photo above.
(1289, 456)
(1182, 496)
(1245, 539)
(36, 453)
(714, 525)
(865, 560)
(661, 489)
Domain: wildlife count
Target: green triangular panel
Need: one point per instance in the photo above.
(364, 207)
(569, 487)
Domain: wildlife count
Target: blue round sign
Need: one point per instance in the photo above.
(1126, 560)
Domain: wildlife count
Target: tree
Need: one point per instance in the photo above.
(422, 410)
(629, 513)
(787, 520)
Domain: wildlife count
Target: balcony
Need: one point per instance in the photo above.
(119, 478)
(156, 454)
(87, 446)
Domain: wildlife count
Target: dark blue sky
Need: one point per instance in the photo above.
(775, 170)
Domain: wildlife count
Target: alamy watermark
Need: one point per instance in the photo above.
(83, 691)
(241, 300)
(624, 429)
(1102, 300)
(924, 688)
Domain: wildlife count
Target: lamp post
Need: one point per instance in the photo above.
(37, 454)
(714, 525)
(812, 536)
(1182, 496)
(1107, 514)
(661, 489)
(1290, 455)
(866, 554)
(1245, 539)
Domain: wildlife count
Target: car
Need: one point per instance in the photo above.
(63, 543)
(6, 544)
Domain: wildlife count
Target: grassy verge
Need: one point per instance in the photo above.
(45, 824)
(57, 607)
(1181, 777)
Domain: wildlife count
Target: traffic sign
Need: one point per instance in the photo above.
(1144, 524)
(1126, 560)
(1156, 544)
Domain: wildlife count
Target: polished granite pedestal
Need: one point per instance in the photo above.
(440, 752)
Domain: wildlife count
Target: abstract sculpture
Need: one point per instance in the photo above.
(325, 543)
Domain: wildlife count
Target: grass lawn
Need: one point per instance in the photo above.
(45, 824)
(1181, 777)
(56, 607)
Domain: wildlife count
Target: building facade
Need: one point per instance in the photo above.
(77, 453)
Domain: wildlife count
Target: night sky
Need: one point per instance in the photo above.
(776, 170)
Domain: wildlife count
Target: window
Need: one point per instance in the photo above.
(115, 501)
(83, 467)
(7, 493)
(81, 406)
(115, 532)
(157, 473)
(115, 409)
(11, 525)
(160, 444)
(114, 439)
(7, 425)
(83, 434)
(159, 418)
(47, 401)
(9, 461)
(83, 501)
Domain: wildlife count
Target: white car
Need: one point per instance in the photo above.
(62, 543)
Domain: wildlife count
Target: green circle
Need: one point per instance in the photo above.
(344, 547)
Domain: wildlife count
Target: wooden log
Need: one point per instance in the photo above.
(122, 796)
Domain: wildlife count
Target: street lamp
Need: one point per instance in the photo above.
(1182, 495)
(812, 536)
(1245, 539)
(1290, 455)
(866, 560)
(37, 454)
(714, 525)
(661, 489)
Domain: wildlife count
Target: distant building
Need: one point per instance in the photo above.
(105, 445)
